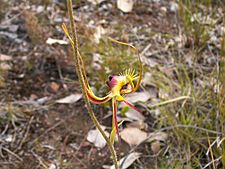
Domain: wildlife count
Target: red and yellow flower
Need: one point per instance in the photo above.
(119, 86)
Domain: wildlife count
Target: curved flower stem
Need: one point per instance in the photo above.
(79, 70)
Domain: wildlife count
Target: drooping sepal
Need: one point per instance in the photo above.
(132, 106)
(95, 99)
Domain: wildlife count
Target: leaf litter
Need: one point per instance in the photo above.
(73, 98)
(135, 136)
(126, 161)
(95, 137)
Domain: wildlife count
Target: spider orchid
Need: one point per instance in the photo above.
(119, 86)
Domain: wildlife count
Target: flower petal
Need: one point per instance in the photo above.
(132, 106)
(97, 100)
(140, 75)
(112, 81)
(113, 132)
(114, 120)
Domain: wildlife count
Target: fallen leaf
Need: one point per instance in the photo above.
(42, 100)
(138, 124)
(5, 57)
(159, 136)
(52, 41)
(134, 115)
(127, 161)
(138, 97)
(125, 5)
(5, 66)
(70, 99)
(133, 136)
(95, 137)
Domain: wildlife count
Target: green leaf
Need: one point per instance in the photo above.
(124, 110)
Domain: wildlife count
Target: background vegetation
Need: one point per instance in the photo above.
(182, 45)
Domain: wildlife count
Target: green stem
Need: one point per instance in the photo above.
(168, 101)
(78, 68)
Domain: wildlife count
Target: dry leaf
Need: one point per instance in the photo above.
(138, 97)
(43, 100)
(70, 99)
(138, 124)
(159, 136)
(52, 41)
(5, 66)
(125, 5)
(128, 160)
(133, 136)
(95, 137)
(134, 115)
(5, 57)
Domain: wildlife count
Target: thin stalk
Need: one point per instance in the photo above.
(78, 68)
(168, 101)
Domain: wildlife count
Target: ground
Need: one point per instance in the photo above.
(182, 46)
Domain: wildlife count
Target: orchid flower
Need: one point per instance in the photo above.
(119, 86)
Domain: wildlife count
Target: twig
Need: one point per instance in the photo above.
(211, 153)
(80, 161)
(190, 126)
(12, 153)
(169, 101)
(5, 129)
(210, 145)
(213, 161)
(26, 133)
(40, 160)
(145, 50)
(14, 17)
